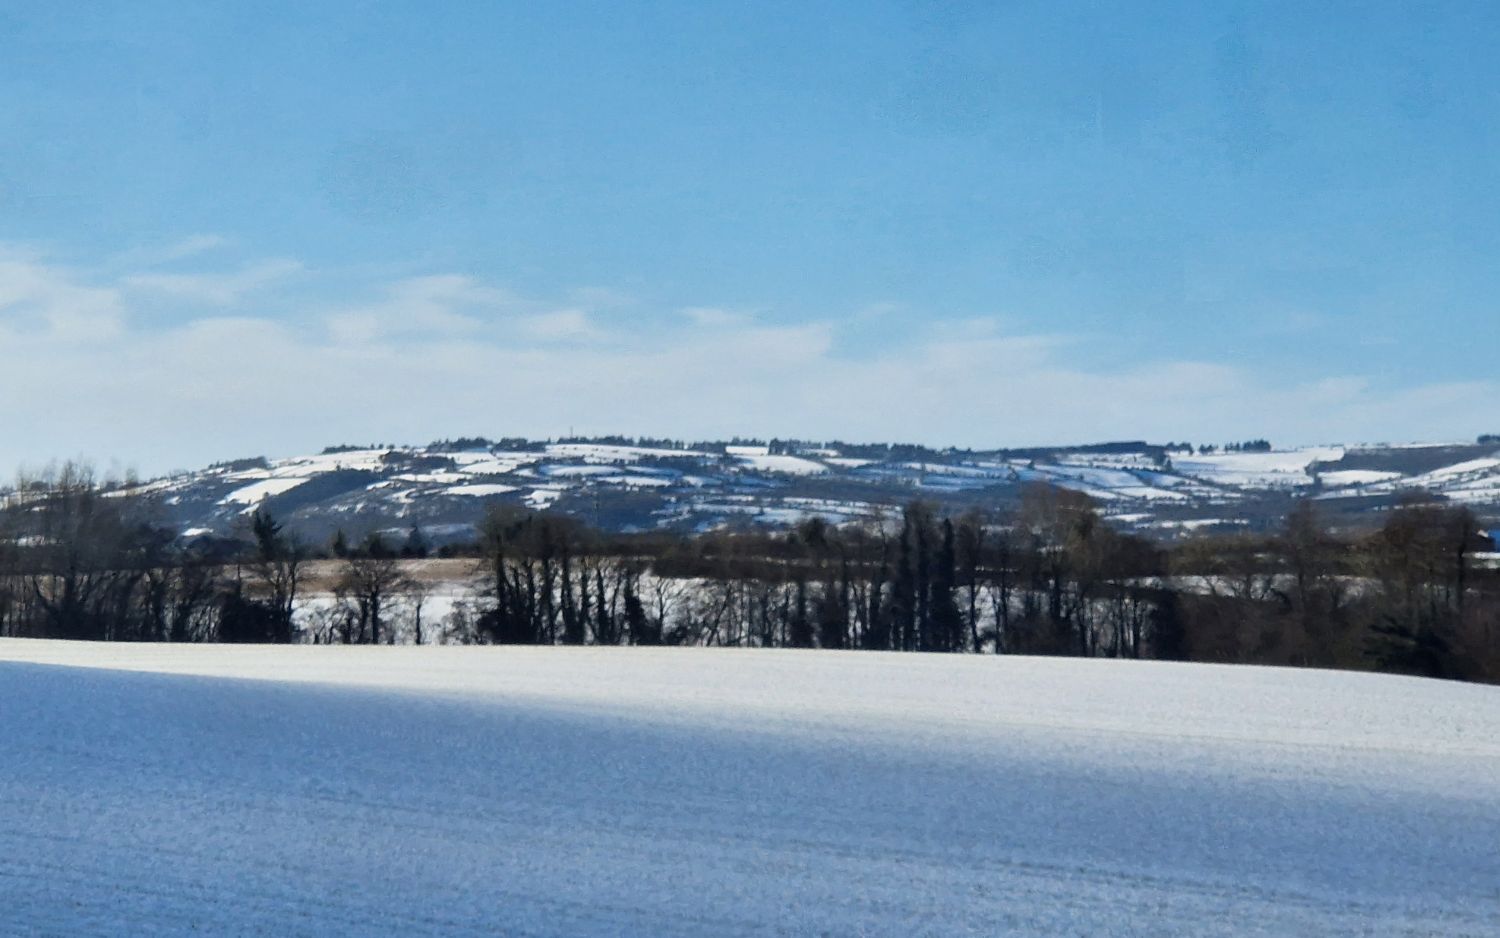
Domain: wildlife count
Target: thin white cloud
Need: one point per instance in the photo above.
(713, 317)
(428, 307)
(214, 288)
(191, 246)
(42, 301)
(150, 256)
(451, 356)
(563, 325)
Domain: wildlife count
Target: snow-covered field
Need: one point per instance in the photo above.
(1277, 469)
(547, 791)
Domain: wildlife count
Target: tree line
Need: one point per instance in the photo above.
(1049, 577)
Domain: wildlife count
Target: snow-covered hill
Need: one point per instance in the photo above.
(301, 790)
(624, 487)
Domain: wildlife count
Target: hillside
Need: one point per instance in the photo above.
(1156, 490)
(425, 791)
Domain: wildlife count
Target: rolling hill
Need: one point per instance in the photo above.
(1159, 490)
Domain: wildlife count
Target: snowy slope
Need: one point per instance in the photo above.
(623, 487)
(422, 791)
(1281, 469)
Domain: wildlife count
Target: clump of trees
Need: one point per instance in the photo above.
(1406, 597)
(1244, 446)
(1050, 576)
(79, 560)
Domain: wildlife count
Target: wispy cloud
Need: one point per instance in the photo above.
(563, 325)
(451, 355)
(712, 317)
(215, 288)
(431, 307)
(191, 246)
(48, 303)
(151, 256)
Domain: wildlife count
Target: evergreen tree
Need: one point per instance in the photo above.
(416, 544)
(636, 622)
(946, 621)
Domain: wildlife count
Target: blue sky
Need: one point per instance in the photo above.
(231, 229)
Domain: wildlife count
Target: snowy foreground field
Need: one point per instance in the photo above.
(475, 791)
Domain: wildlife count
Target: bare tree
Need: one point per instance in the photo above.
(372, 580)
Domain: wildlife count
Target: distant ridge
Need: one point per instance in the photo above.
(630, 484)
